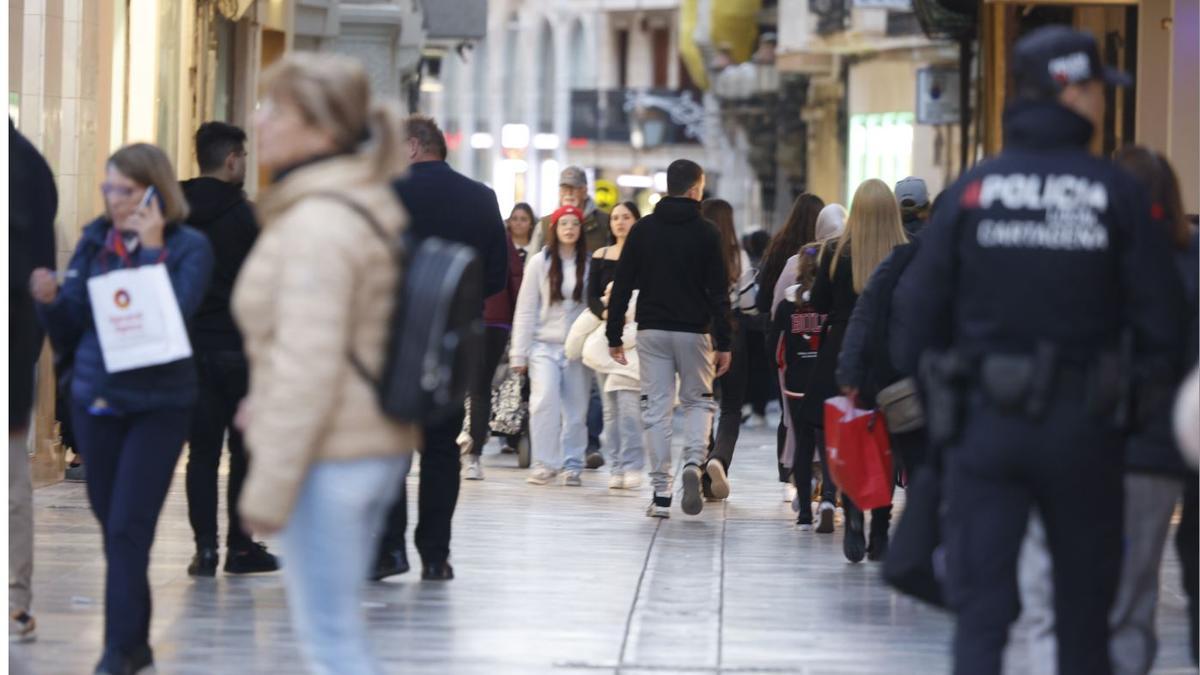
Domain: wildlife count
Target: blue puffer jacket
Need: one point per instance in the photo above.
(68, 320)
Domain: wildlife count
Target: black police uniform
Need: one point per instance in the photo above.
(1041, 250)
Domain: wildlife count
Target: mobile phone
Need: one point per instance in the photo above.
(150, 194)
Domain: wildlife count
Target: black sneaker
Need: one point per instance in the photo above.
(827, 513)
(692, 503)
(877, 549)
(660, 505)
(390, 563)
(437, 572)
(854, 544)
(594, 459)
(204, 563)
(253, 560)
(141, 658)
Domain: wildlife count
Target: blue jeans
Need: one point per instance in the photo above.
(623, 431)
(130, 463)
(558, 402)
(328, 547)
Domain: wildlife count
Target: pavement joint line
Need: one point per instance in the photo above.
(637, 594)
(721, 591)
(659, 667)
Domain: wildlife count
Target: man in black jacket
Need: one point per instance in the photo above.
(1038, 266)
(33, 203)
(219, 209)
(673, 258)
(441, 203)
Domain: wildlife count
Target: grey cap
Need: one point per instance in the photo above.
(911, 191)
(573, 176)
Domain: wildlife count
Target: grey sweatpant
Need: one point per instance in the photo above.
(20, 524)
(663, 355)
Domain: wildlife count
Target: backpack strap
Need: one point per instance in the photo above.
(373, 222)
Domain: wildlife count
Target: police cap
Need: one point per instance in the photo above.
(1050, 58)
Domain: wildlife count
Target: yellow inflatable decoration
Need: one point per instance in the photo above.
(732, 24)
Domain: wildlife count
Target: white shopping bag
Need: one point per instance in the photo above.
(137, 318)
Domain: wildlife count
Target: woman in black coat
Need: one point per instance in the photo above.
(873, 229)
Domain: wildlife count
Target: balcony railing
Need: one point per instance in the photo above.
(643, 118)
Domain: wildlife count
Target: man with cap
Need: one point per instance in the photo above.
(1040, 288)
(913, 196)
(573, 190)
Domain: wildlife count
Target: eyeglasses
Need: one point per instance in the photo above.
(110, 190)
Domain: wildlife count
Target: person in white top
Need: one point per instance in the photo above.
(551, 299)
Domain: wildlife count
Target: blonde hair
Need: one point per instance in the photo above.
(333, 94)
(873, 229)
(146, 164)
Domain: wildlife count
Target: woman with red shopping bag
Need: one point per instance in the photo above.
(873, 229)
(859, 453)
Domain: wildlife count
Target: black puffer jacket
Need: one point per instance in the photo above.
(221, 212)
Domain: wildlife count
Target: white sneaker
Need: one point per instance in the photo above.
(572, 479)
(789, 495)
(616, 481)
(473, 470)
(633, 481)
(718, 482)
(541, 475)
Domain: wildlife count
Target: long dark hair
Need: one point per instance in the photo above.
(1158, 177)
(800, 229)
(556, 266)
(720, 212)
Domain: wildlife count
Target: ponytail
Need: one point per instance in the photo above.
(384, 141)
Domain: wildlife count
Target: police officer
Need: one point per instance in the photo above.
(1038, 265)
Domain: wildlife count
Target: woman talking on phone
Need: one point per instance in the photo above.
(130, 424)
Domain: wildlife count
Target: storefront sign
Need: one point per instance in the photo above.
(937, 95)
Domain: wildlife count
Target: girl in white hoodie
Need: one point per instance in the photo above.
(551, 299)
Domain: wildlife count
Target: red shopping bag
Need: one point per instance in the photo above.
(859, 453)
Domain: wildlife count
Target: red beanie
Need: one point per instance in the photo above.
(567, 210)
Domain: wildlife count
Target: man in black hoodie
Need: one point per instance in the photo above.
(219, 209)
(673, 258)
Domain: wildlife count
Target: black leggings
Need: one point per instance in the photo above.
(732, 389)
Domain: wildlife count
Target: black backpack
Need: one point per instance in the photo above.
(436, 332)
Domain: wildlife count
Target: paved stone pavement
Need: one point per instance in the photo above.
(550, 580)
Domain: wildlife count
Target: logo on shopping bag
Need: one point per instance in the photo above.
(121, 298)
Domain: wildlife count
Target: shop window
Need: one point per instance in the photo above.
(880, 147)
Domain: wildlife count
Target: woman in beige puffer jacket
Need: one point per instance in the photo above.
(318, 288)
